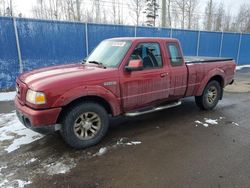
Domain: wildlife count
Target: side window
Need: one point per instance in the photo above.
(149, 53)
(175, 55)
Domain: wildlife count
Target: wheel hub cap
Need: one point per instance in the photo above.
(212, 94)
(87, 125)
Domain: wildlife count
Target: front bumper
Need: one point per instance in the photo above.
(37, 119)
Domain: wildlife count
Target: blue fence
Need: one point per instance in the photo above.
(43, 43)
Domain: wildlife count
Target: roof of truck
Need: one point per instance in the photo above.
(145, 39)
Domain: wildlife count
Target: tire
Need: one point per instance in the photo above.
(210, 96)
(81, 121)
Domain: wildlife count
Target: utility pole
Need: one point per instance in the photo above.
(78, 10)
(163, 13)
(11, 8)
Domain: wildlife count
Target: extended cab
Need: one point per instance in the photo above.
(122, 76)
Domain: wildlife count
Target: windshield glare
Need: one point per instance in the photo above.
(109, 52)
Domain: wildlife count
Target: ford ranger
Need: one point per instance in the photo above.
(122, 76)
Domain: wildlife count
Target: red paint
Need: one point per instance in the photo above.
(128, 90)
(39, 117)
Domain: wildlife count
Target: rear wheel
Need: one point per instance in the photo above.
(210, 96)
(85, 125)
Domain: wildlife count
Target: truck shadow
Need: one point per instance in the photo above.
(126, 127)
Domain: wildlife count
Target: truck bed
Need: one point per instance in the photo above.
(203, 59)
(202, 68)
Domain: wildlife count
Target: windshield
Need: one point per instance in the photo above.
(109, 53)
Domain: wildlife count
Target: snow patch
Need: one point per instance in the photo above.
(242, 66)
(7, 96)
(133, 143)
(206, 122)
(59, 168)
(120, 142)
(3, 183)
(31, 161)
(11, 129)
(236, 124)
(201, 123)
(1, 168)
(22, 183)
(209, 122)
(212, 121)
(102, 151)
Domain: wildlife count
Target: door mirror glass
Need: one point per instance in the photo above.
(134, 65)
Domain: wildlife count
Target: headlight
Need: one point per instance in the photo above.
(35, 97)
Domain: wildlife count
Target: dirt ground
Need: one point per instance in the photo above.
(178, 147)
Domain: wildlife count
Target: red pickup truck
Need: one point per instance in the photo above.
(122, 76)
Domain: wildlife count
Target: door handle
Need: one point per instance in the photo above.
(164, 74)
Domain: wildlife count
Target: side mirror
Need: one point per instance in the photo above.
(134, 65)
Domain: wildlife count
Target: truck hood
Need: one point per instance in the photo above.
(70, 74)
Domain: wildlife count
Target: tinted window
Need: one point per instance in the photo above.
(175, 55)
(149, 53)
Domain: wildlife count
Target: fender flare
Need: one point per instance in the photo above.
(207, 78)
(94, 91)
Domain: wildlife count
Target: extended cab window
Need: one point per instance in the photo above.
(149, 53)
(175, 55)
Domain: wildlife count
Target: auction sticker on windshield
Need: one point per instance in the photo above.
(118, 44)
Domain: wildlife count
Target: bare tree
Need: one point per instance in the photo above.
(78, 8)
(243, 18)
(219, 18)
(136, 7)
(166, 19)
(151, 11)
(209, 15)
(169, 3)
(97, 11)
(191, 6)
(227, 23)
(3, 7)
(117, 11)
(114, 11)
(180, 6)
(54, 7)
(39, 9)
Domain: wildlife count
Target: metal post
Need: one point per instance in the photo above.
(221, 42)
(135, 31)
(87, 38)
(198, 43)
(238, 53)
(18, 46)
(171, 32)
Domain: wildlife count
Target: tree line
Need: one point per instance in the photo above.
(185, 14)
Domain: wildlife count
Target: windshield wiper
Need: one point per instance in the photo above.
(97, 63)
(84, 61)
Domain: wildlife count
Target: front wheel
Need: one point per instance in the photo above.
(210, 96)
(85, 125)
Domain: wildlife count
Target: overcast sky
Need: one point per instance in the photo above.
(25, 6)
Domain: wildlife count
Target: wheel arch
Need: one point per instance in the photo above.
(91, 98)
(217, 75)
(219, 79)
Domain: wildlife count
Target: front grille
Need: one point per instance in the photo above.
(18, 90)
(21, 91)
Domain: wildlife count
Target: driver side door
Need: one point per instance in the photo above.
(149, 85)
